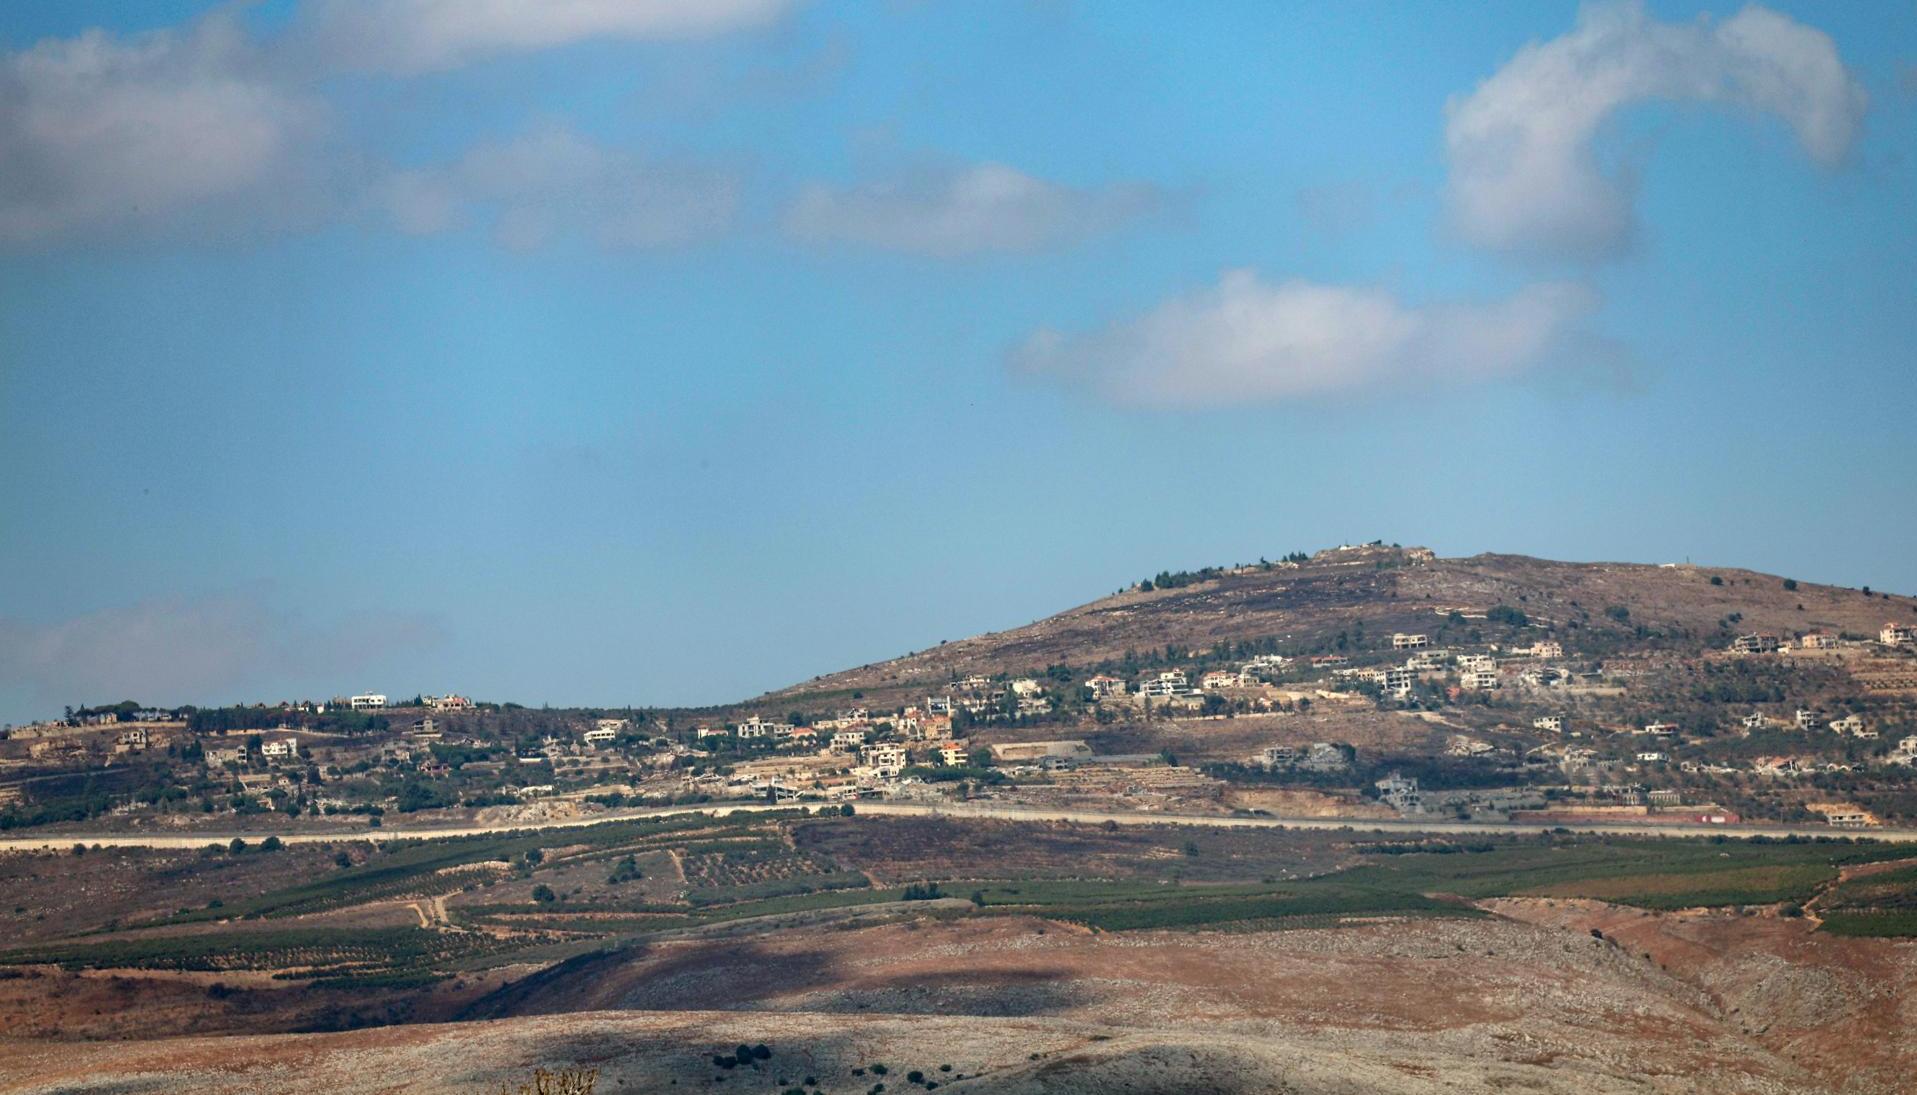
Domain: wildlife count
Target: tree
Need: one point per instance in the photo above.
(1790, 584)
(1505, 614)
(543, 894)
(271, 844)
(237, 846)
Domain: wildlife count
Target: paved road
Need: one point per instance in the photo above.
(966, 810)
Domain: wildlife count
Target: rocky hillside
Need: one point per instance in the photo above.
(1371, 591)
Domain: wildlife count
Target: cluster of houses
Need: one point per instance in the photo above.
(1894, 636)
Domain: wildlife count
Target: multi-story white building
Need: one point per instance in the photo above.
(760, 727)
(1402, 641)
(1478, 680)
(370, 701)
(1398, 682)
(1553, 723)
(885, 759)
(1171, 682)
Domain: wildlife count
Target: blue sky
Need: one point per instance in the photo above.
(660, 352)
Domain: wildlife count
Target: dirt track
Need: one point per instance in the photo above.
(61, 841)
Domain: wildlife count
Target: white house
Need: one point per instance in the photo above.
(370, 701)
(1217, 679)
(1171, 682)
(1553, 723)
(1402, 641)
(757, 727)
(1029, 706)
(885, 759)
(280, 749)
(1478, 680)
(1895, 634)
(599, 735)
(1105, 685)
(952, 754)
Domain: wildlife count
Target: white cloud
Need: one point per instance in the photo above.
(1524, 175)
(101, 134)
(414, 36)
(192, 650)
(1246, 341)
(951, 212)
(206, 130)
(552, 183)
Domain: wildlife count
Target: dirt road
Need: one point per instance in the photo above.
(56, 842)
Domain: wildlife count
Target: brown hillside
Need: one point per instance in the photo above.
(1385, 589)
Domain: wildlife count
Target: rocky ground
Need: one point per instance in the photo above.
(1530, 1000)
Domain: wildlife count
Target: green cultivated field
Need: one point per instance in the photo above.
(558, 894)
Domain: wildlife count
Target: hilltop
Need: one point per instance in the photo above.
(1374, 590)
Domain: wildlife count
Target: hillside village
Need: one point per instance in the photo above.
(1512, 709)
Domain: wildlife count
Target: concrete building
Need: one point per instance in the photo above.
(1398, 682)
(1478, 680)
(1402, 641)
(370, 701)
(1171, 682)
(1401, 793)
(885, 759)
